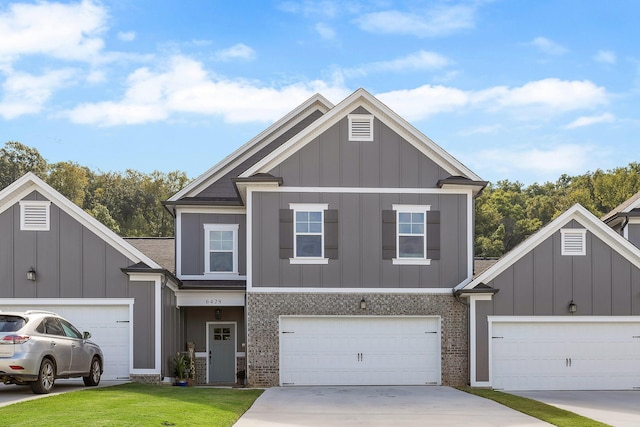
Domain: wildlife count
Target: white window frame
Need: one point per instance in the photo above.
(24, 223)
(360, 118)
(573, 232)
(308, 207)
(411, 209)
(207, 250)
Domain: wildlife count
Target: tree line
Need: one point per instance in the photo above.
(130, 202)
(127, 202)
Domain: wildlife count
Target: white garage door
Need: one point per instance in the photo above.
(566, 355)
(109, 327)
(359, 350)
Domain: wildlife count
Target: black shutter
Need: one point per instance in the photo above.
(331, 235)
(388, 234)
(286, 233)
(433, 234)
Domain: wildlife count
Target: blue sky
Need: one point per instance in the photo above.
(515, 90)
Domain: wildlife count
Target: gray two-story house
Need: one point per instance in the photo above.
(326, 251)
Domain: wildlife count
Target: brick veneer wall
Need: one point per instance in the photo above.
(264, 310)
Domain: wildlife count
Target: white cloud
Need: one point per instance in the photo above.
(439, 21)
(591, 120)
(183, 86)
(548, 46)
(325, 31)
(544, 163)
(417, 61)
(425, 101)
(605, 56)
(237, 51)
(532, 100)
(64, 31)
(482, 130)
(127, 36)
(26, 93)
(325, 8)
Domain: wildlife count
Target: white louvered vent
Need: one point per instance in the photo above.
(34, 215)
(360, 127)
(574, 241)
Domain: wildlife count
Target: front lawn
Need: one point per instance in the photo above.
(551, 414)
(133, 405)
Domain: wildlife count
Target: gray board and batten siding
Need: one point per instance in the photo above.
(224, 188)
(360, 262)
(634, 233)
(192, 240)
(331, 160)
(543, 282)
(72, 262)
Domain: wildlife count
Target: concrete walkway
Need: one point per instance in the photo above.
(378, 406)
(616, 408)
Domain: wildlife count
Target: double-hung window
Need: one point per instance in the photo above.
(411, 234)
(308, 223)
(221, 248)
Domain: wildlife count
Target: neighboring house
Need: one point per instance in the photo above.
(85, 272)
(561, 310)
(326, 251)
(625, 219)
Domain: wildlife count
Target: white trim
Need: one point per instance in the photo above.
(357, 190)
(235, 344)
(315, 103)
(410, 261)
(67, 301)
(249, 252)
(229, 210)
(383, 113)
(212, 276)
(43, 205)
(282, 290)
(366, 119)
(423, 209)
(308, 207)
(570, 237)
(178, 244)
(598, 228)
(208, 228)
(209, 298)
(29, 182)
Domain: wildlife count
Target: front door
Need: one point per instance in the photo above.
(222, 352)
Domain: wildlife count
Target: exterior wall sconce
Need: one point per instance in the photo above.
(31, 274)
(218, 314)
(572, 307)
(363, 304)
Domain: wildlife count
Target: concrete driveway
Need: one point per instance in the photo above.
(616, 408)
(20, 393)
(378, 406)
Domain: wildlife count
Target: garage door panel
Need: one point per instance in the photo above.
(109, 328)
(566, 355)
(359, 350)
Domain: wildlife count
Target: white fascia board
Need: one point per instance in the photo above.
(576, 212)
(383, 113)
(30, 182)
(563, 319)
(66, 301)
(292, 290)
(316, 102)
(228, 210)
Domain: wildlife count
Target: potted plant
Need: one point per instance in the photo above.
(181, 369)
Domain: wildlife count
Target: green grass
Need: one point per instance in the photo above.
(133, 405)
(551, 414)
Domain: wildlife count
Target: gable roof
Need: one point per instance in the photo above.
(627, 206)
(577, 212)
(316, 103)
(362, 98)
(29, 182)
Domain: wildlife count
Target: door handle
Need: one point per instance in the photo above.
(53, 344)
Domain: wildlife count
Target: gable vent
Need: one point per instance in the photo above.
(34, 215)
(360, 127)
(574, 241)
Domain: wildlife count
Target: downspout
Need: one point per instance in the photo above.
(624, 224)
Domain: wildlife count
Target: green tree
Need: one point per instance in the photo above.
(70, 179)
(16, 159)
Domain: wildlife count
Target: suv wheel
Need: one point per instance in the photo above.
(94, 373)
(46, 378)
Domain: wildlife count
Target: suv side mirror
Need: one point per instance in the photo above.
(86, 335)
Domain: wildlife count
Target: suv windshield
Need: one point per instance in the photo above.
(11, 323)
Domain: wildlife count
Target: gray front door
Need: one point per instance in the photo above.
(222, 352)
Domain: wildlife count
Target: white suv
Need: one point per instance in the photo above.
(36, 347)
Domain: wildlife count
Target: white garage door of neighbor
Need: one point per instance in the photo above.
(109, 327)
(555, 355)
(372, 350)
